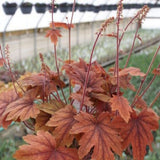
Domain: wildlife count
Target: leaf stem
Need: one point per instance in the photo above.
(54, 96)
(88, 70)
(135, 36)
(116, 72)
(145, 90)
(125, 29)
(55, 54)
(155, 99)
(142, 82)
(55, 57)
(27, 125)
(117, 59)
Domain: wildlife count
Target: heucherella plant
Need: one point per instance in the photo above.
(102, 124)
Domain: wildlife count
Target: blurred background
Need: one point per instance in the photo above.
(24, 23)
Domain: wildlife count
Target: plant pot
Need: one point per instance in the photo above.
(49, 7)
(40, 7)
(96, 9)
(26, 8)
(70, 6)
(103, 7)
(127, 6)
(90, 7)
(111, 7)
(9, 8)
(82, 8)
(63, 7)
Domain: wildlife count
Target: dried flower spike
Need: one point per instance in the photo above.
(119, 11)
(105, 24)
(142, 13)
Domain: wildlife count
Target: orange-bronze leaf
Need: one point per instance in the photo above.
(54, 34)
(63, 120)
(61, 25)
(43, 147)
(23, 108)
(132, 71)
(121, 104)
(6, 98)
(98, 133)
(137, 131)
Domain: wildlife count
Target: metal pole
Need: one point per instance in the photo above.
(78, 28)
(35, 35)
(5, 28)
(4, 33)
(77, 33)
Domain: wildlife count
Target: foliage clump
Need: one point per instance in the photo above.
(95, 121)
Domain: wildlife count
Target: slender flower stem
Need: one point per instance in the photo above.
(10, 71)
(125, 29)
(155, 99)
(58, 96)
(54, 96)
(63, 95)
(7, 65)
(116, 71)
(44, 87)
(117, 59)
(55, 57)
(142, 82)
(88, 70)
(135, 36)
(69, 29)
(69, 57)
(72, 102)
(28, 126)
(55, 54)
(73, 9)
(69, 40)
(145, 90)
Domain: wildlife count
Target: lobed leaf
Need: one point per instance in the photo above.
(54, 34)
(61, 25)
(124, 82)
(6, 98)
(137, 131)
(23, 108)
(132, 71)
(51, 107)
(156, 71)
(43, 147)
(122, 105)
(78, 97)
(140, 103)
(40, 82)
(98, 133)
(100, 96)
(63, 120)
(77, 74)
(41, 121)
